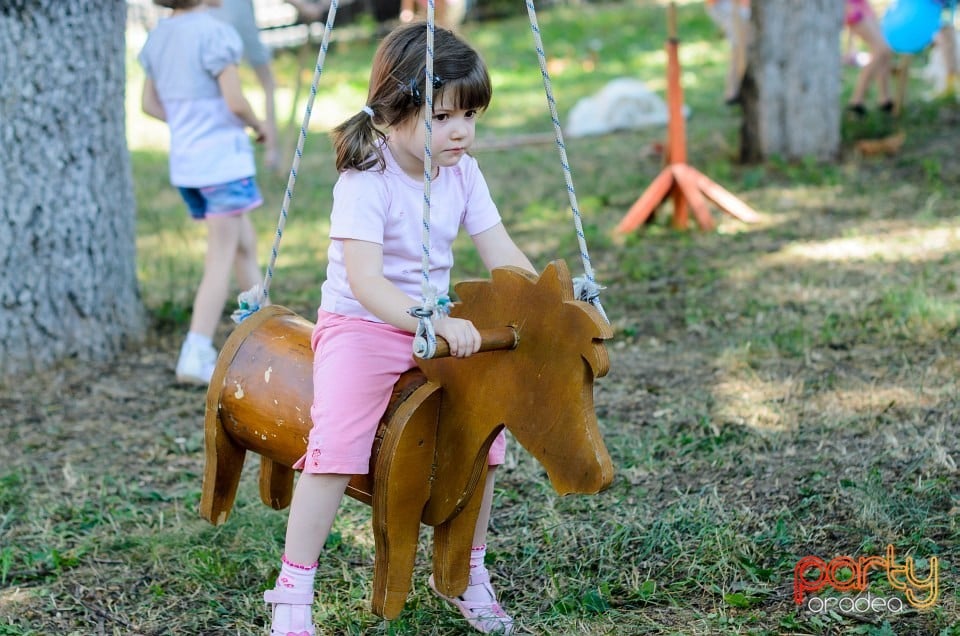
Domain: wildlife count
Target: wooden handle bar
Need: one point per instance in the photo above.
(495, 339)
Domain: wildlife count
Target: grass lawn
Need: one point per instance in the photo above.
(778, 390)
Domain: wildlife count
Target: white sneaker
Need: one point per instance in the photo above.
(196, 364)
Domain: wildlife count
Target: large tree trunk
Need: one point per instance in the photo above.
(791, 91)
(68, 284)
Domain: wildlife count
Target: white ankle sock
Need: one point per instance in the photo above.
(478, 592)
(195, 339)
(296, 577)
(477, 555)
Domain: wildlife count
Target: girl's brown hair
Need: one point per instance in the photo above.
(396, 90)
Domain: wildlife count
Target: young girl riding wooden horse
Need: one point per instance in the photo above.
(364, 332)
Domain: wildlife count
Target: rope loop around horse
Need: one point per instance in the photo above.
(252, 299)
(425, 338)
(587, 289)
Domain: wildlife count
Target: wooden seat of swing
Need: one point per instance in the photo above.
(542, 350)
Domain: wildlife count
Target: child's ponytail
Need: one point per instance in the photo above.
(357, 143)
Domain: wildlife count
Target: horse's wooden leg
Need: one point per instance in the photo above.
(452, 541)
(276, 484)
(401, 488)
(221, 474)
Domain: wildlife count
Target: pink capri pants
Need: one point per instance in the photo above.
(356, 362)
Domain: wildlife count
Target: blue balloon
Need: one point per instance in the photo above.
(910, 25)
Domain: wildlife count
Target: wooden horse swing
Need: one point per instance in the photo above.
(541, 350)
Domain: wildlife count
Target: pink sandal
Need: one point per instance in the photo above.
(484, 616)
(299, 604)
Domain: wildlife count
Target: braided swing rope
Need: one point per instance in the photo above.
(425, 340)
(587, 288)
(252, 299)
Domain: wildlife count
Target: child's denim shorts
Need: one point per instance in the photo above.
(225, 199)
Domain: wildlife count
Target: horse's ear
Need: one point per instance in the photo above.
(557, 274)
(588, 325)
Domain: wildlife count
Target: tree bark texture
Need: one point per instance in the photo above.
(791, 93)
(68, 285)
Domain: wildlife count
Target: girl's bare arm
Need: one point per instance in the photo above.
(230, 87)
(150, 101)
(497, 249)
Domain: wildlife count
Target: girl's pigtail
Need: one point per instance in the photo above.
(357, 143)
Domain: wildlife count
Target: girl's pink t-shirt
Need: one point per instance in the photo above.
(387, 208)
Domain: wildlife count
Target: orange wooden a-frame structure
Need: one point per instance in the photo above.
(683, 183)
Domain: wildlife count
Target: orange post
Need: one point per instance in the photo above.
(684, 184)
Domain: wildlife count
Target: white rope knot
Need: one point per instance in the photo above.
(585, 289)
(248, 302)
(425, 340)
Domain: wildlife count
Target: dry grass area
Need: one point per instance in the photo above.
(776, 391)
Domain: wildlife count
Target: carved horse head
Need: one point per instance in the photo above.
(542, 390)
